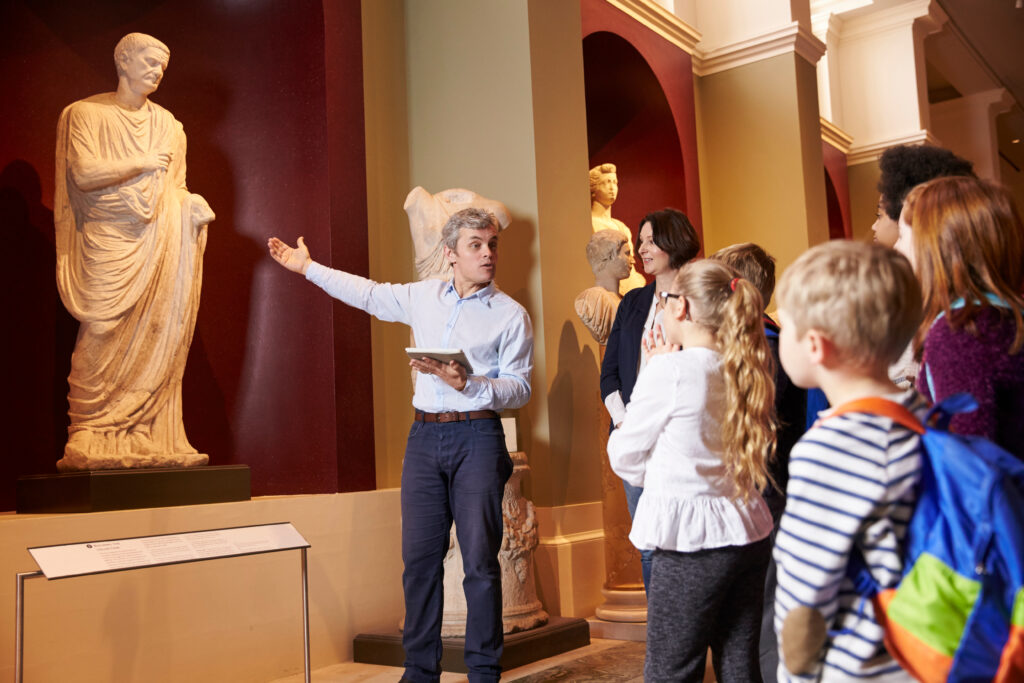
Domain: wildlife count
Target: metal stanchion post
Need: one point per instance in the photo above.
(19, 625)
(305, 612)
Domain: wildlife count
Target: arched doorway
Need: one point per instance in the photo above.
(630, 124)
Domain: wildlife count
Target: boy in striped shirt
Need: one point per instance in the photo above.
(847, 311)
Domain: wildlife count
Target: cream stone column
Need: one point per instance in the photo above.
(761, 167)
(495, 101)
(967, 125)
(877, 90)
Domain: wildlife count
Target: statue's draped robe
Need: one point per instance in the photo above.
(129, 268)
(596, 307)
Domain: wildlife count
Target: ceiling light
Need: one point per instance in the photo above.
(1015, 141)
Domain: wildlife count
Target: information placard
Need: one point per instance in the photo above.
(97, 557)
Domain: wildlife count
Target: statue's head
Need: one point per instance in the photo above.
(132, 44)
(604, 184)
(609, 250)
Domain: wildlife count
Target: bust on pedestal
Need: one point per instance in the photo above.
(623, 590)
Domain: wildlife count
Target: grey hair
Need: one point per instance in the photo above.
(604, 246)
(134, 42)
(467, 219)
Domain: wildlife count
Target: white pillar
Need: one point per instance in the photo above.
(876, 71)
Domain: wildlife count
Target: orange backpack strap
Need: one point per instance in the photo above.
(883, 407)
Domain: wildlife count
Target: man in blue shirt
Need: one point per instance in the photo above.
(456, 463)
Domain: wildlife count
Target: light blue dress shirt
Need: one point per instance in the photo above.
(491, 327)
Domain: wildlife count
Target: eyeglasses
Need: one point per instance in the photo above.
(665, 296)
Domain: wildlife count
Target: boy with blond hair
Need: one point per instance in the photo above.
(847, 311)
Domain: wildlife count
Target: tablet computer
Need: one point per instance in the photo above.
(441, 355)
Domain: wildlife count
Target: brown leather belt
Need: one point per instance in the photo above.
(455, 416)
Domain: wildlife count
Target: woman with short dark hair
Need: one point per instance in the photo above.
(666, 242)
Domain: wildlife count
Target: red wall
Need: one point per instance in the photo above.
(641, 114)
(837, 188)
(270, 94)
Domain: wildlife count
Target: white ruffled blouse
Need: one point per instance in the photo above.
(670, 444)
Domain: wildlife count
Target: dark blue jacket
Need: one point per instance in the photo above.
(622, 354)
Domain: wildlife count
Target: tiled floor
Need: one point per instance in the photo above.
(602, 660)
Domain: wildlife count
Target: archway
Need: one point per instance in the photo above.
(630, 124)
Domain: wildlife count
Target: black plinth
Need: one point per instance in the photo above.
(100, 490)
(559, 635)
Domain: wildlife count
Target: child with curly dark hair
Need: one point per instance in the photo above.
(904, 167)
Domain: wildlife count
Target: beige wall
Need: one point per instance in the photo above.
(236, 619)
(489, 96)
(762, 174)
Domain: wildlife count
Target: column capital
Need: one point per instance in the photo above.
(790, 38)
(878, 17)
(860, 154)
(835, 136)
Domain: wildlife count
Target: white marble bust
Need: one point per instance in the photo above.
(604, 190)
(610, 260)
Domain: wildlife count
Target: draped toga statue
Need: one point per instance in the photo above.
(130, 240)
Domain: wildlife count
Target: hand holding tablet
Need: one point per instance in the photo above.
(441, 356)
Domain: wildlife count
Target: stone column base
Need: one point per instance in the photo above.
(626, 605)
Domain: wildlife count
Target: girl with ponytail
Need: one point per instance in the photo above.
(697, 435)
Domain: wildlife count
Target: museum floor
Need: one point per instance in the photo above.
(602, 660)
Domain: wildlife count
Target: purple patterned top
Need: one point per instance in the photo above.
(959, 361)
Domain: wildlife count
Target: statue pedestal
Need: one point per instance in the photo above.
(99, 490)
(558, 635)
(623, 591)
(520, 608)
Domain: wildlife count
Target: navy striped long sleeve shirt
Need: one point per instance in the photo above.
(852, 481)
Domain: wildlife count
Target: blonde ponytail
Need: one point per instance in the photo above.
(748, 430)
(732, 308)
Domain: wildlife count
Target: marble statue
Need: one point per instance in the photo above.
(520, 608)
(130, 240)
(604, 190)
(610, 258)
(427, 215)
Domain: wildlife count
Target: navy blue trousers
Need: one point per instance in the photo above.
(453, 471)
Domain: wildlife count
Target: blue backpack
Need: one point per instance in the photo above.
(958, 612)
